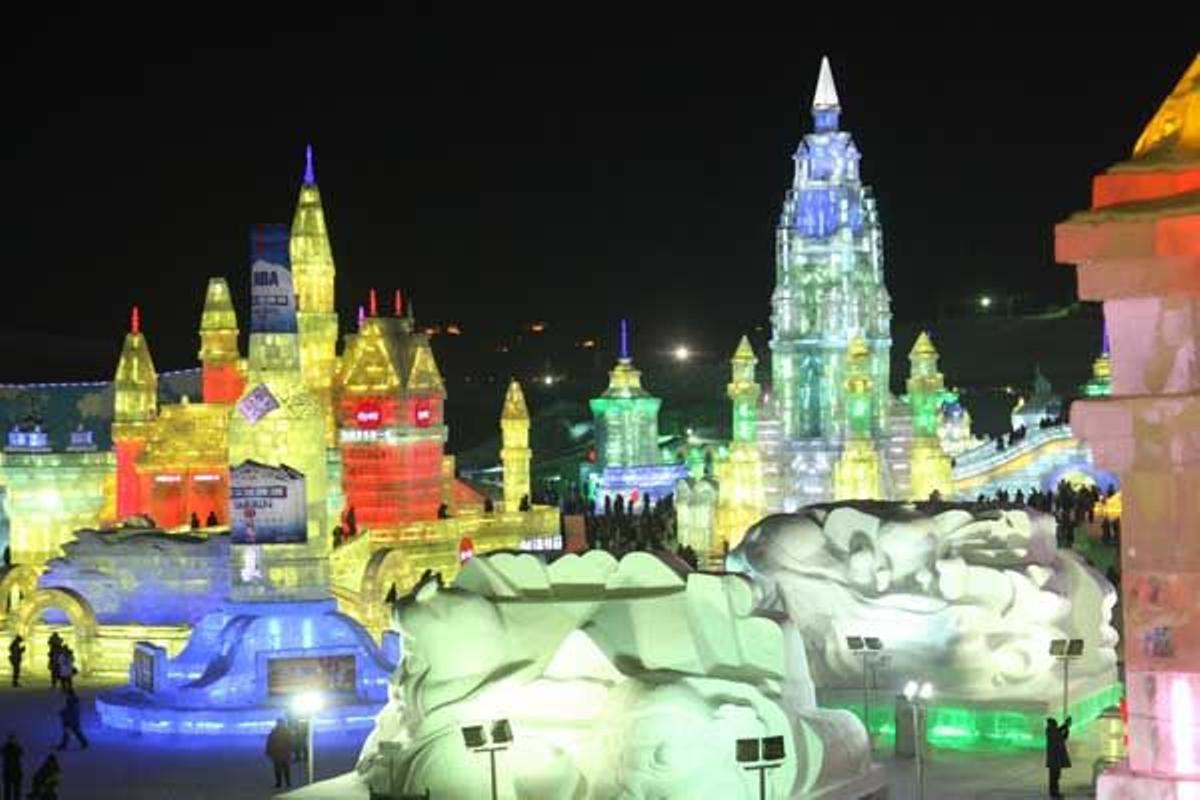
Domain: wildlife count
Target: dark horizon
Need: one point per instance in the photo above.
(499, 181)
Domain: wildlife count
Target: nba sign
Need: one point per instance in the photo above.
(268, 505)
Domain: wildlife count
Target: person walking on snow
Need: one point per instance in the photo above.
(1057, 757)
(279, 750)
(70, 716)
(16, 651)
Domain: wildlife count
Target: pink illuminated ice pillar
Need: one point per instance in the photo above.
(1138, 251)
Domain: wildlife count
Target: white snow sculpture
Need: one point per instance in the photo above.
(620, 680)
(967, 599)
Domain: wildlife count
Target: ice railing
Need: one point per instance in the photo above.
(986, 457)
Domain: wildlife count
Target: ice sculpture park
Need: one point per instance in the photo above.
(966, 599)
(619, 679)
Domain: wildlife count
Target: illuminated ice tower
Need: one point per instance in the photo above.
(514, 449)
(135, 401)
(626, 416)
(828, 281)
(740, 501)
(929, 464)
(221, 379)
(313, 270)
(857, 475)
(278, 422)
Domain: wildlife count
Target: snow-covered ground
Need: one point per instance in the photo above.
(123, 766)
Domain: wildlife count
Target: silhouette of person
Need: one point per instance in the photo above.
(1057, 757)
(70, 716)
(279, 750)
(16, 651)
(12, 768)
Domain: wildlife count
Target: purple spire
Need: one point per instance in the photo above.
(310, 176)
(1104, 343)
(624, 353)
(362, 315)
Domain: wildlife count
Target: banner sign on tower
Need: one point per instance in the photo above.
(272, 295)
(268, 505)
(257, 404)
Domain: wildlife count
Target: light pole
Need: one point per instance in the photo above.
(476, 739)
(865, 647)
(760, 755)
(918, 696)
(306, 705)
(1065, 650)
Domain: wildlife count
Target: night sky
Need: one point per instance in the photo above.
(501, 176)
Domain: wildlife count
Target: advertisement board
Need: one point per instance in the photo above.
(143, 670)
(328, 674)
(272, 295)
(268, 505)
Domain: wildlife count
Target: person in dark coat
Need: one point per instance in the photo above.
(55, 645)
(16, 651)
(279, 750)
(12, 768)
(1057, 757)
(45, 780)
(70, 716)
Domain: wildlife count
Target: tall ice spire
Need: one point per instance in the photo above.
(825, 106)
(313, 273)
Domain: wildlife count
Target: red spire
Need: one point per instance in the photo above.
(135, 321)
(374, 304)
(398, 304)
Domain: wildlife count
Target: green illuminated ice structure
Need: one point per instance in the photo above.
(830, 313)
(628, 460)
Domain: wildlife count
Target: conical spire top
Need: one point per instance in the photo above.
(310, 175)
(514, 403)
(373, 303)
(398, 304)
(923, 346)
(826, 94)
(135, 320)
(744, 351)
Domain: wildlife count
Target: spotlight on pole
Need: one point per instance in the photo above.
(760, 755)
(481, 739)
(306, 705)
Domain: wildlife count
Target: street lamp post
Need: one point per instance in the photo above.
(865, 647)
(1065, 650)
(918, 696)
(477, 740)
(306, 705)
(760, 755)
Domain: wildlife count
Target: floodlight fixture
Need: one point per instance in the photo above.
(1075, 647)
(855, 643)
(926, 691)
(910, 690)
(874, 643)
(501, 732)
(747, 751)
(773, 748)
(306, 704)
(473, 736)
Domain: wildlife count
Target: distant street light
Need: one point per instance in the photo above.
(548, 380)
(985, 302)
(865, 647)
(682, 353)
(761, 755)
(1065, 650)
(476, 739)
(918, 696)
(306, 705)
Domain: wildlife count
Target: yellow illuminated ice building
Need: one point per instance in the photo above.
(150, 515)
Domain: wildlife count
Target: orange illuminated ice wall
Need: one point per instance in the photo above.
(391, 425)
(1138, 251)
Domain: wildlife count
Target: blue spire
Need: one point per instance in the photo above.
(310, 176)
(1104, 341)
(825, 107)
(624, 351)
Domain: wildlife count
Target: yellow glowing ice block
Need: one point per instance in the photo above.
(740, 501)
(515, 454)
(292, 434)
(928, 464)
(313, 272)
(857, 474)
(1176, 126)
(49, 496)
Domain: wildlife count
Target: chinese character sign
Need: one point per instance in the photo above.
(257, 404)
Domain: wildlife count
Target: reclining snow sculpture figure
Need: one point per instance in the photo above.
(620, 680)
(966, 599)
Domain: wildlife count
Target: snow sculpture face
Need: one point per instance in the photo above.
(967, 600)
